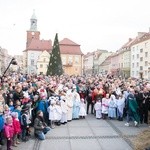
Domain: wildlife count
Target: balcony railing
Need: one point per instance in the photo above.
(68, 64)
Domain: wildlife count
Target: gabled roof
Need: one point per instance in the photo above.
(89, 54)
(67, 41)
(40, 45)
(69, 47)
(107, 61)
(66, 46)
(143, 37)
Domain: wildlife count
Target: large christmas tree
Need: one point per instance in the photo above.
(55, 63)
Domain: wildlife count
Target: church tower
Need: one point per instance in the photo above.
(32, 33)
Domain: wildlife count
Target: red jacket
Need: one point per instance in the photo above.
(17, 126)
(8, 130)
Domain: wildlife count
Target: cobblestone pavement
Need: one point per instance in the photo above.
(87, 134)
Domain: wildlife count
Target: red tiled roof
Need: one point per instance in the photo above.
(144, 37)
(69, 47)
(66, 46)
(40, 45)
(67, 41)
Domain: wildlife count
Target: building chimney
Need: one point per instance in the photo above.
(130, 39)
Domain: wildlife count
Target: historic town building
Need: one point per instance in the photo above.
(37, 53)
(140, 62)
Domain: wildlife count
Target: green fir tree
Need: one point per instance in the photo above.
(55, 63)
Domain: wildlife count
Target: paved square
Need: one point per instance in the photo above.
(87, 134)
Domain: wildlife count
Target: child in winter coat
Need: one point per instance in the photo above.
(11, 107)
(6, 112)
(98, 109)
(1, 125)
(25, 122)
(9, 131)
(17, 128)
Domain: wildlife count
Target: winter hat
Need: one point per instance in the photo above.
(26, 95)
(51, 98)
(53, 101)
(14, 114)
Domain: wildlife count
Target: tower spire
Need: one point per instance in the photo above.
(33, 20)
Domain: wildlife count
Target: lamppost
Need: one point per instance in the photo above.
(13, 62)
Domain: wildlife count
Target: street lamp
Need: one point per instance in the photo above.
(13, 62)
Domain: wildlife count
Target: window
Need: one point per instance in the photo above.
(137, 64)
(63, 60)
(44, 60)
(41, 65)
(137, 73)
(146, 44)
(70, 60)
(132, 65)
(32, 62)
(146, 73)
(141, 67)
(132, 56)
(141, 58)
(137, 55)
(141, 50)
(133, 49)
(32, 55)
(146, 63)
(76, 59)
(146, 54)
(76, 69)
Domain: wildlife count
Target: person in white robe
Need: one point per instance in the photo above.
(58, 112)
(105, 102)
(76, 105)
(69, 101)
(82, 111)
(120, 107)
(52, 112)
(98, 109)
(112, 107)
(64, 110)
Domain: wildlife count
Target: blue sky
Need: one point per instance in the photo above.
(94, 24)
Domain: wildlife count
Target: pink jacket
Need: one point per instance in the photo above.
(8, 131)
(17, 127)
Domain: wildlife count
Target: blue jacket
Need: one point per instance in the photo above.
(1, 122)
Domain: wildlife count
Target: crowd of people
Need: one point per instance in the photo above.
(43, 102)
